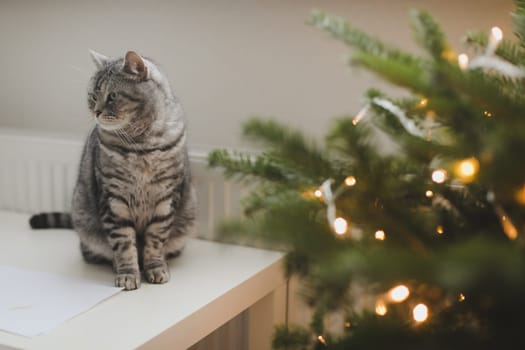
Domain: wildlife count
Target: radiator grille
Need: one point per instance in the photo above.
(38, 173)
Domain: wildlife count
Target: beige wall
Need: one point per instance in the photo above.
(227, 59)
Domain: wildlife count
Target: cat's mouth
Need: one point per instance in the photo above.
(110, 122)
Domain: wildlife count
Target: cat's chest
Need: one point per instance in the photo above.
(136, 176)
(143, 182)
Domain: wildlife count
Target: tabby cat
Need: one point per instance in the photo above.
(134, 203)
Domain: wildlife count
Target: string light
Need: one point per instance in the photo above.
(461, 297)
(463, 61)
(440, 230)
(423, 102)
(340, 226)
(381, 309)
(466, 169)
(520, 195)
(409, 124)
(439, 176)
(487, 114)
(420, 313)
(509, 228)
(429, 194)
(350, 181)
(496, 35)
(321, 339)
(380, 235)
(318, 193)
(399, 293)
(362, 113)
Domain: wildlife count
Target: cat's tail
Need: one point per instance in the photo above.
(51, 220)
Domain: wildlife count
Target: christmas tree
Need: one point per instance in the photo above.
(419, 245)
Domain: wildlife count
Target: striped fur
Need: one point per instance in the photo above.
(51, 220)
(134, 202)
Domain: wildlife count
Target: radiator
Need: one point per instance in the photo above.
(38, 172)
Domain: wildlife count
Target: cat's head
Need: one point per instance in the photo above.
(125, 93)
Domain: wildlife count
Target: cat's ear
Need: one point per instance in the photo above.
(99, 59)
(134, 64)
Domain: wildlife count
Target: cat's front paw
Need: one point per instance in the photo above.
(157, 274)
(128, 281)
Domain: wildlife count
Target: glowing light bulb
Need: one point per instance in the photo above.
(350, 181)
(321, 339)
(487, 114)
(380, 235)
(399, 293)
(423, 102)
(461, 297)
(340, 226)
(318, 193)
(467, 169)
(362, 113)
(463, 61)
(420, 313)
(509, 228)
(429, 194)
(439, 176)
(497, 33)
(520, 195)
(381, 309)
(440, 230)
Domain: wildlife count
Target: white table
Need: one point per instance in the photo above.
(210, 284)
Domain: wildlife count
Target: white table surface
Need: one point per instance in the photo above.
(210, 284)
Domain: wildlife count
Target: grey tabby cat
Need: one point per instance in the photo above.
(134, 202)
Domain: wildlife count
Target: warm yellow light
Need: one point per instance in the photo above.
(340, 226)
(362, 113)
(520, 195)
(461, 297)
(348, 324)
(420, 313)
(423, 102)
(439, 176)
(463, 61)
(496, 33)
(487, 114)
(467, 169)
(350, 181)
(440, 230)
(380, 235)
(318, 193)
(381, 309)
(509, 228)
(429, 194)
(321, 339)
(399, 293)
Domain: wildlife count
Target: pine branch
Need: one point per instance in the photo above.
(290, 149)
(410, 74)
(242, 166)
(357, 39)
(506, 49)
(429, 35)
(518, 21)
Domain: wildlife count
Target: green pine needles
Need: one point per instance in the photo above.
(440, 209)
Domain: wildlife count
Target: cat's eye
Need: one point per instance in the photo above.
(111, 97)
(93, 97)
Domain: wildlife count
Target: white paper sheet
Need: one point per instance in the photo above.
(32, 302)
